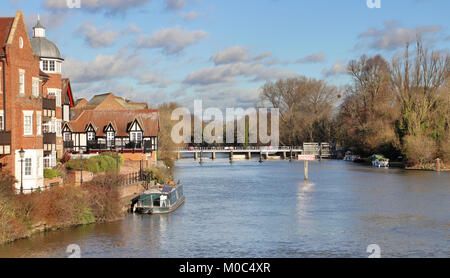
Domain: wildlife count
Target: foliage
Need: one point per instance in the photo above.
(103, 197)
(59, 207)
(306, 109)
(105, 162)
(51, 173)
(160, 175)
(419, 149)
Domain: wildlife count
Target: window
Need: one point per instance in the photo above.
(110, 138)
(57, 94)
(22, 82)
(21, 42)
(35, 87)
(47, 162)
(45, 65)
(28, 166)
(91, 136)
(27, 122)
(67, 136)
(51, 65)
(136, 136)
(2, 120)
(38, 123)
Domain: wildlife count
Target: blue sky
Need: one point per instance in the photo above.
(223, 51)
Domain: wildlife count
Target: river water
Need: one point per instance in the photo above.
(249, 209)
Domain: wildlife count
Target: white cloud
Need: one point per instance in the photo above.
(190, 16)
(171, 40)
(231, 55)
(103, 67)
(98, 37)
(108, 6)
(236, 54)
(156, 79)
(227, 73)
(338, 68)
(313, 58)
(175, 4)
(393, 36)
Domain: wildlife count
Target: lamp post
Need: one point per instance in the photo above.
(22, 155)
(81, 157)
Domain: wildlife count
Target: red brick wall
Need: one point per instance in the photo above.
(25, 59)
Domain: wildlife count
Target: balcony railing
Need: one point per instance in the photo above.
(145, 146)
(5, 142)
(49, 103)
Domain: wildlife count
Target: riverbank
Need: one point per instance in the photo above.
(68, 206)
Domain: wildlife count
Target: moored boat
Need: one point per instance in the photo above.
(159, 200)
(380, 161)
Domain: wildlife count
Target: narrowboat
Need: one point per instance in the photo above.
(159, 200)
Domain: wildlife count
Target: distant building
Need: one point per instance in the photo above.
(133, 133)
(33, 103)
(106, 102)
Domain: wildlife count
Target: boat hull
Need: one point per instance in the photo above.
(159, 210)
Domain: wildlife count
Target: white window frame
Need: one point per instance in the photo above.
(67, 136)
(28, 166)
(21, 81)
(91, 136)
(28, 131)
(35, 83)
(45, 65)
(56, 93)
(134, 136)
(38, 123)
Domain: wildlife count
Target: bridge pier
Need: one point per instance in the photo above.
(195, 155)
(178, 156)
(267, 156)
(249, 155)
(284, 155)
(231, 156)
(213, 155)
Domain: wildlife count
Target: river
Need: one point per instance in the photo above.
(248, 209)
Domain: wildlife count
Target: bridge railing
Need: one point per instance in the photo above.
(237, 149)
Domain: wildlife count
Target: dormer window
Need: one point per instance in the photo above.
(91, 136)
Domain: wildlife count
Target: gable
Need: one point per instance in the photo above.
(19, 30)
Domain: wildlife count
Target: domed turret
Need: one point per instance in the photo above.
(48, 51)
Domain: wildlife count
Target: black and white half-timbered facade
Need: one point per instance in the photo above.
(122, 131)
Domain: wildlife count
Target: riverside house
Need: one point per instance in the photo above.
(133, 133)
(34, 102)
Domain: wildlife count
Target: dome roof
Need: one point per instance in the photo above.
(45, 48)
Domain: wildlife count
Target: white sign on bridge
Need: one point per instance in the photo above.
(306, 157)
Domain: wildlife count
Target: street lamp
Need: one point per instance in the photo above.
(81, 157)
(22, 155)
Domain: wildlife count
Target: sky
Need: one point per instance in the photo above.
(222, 52)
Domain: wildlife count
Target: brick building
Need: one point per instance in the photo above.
(32, 102)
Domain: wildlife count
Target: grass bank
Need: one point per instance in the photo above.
(62, 207)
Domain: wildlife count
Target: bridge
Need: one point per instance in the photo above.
(321, 150)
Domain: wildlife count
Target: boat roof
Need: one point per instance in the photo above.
(166, 189)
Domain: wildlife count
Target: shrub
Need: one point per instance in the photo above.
(104, 198)
(419, 149)
(106, 162)
(51, 173)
